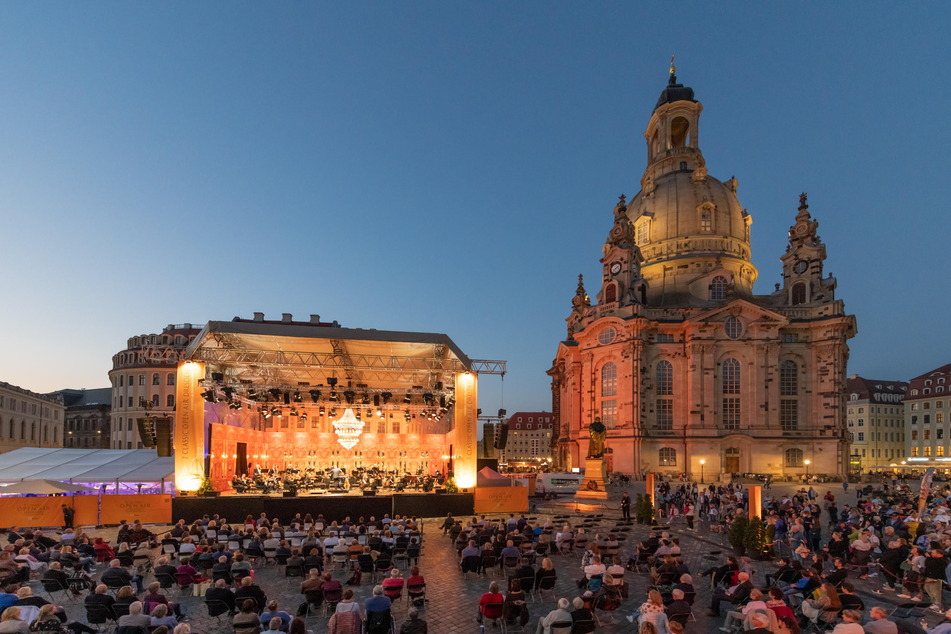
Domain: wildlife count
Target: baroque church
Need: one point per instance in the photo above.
(688, 369)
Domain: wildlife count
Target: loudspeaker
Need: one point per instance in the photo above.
(146, 431)
(163, 437)
(503, 436)
(369, 492)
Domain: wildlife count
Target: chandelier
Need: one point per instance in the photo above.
(348, 429)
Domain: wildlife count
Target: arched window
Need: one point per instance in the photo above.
(156, 379)
(788, 378)
(679, 128)
(610, 293)
(155, 400)
(170, 380)
(608, 379)
(705, 212)
(730, 385)
(121, 380)
(794, 457)
(667, 457)
(665, 378)
(170, 400)
(799, 293)
(718, 289)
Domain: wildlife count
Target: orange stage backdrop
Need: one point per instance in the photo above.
(501, 499)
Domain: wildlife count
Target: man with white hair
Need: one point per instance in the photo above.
(558, 615)
(678, 609)
(736, 595)
(135, 618)
(760, 622)
(880, 623)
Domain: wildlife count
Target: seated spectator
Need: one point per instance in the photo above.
(347, 604)
(413, 624)
(559, 615)
(117, 576)
(393, 585)
(678, 609)
(164, 568)
(514, 607)
(246, 621)
(249, 590)
(103, 550)
(491, 598)
(160, 616)
(314, 559)
(755, 604)
(848, 598)
(101, 597)
(734, 595)
(153, 597)
(187, 574)
(851, 623)
(221, 599)
(10, 621)
(581, 611)
(135, 618)
(273, 612)
(55, 574)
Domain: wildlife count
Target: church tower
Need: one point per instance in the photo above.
(683, 363)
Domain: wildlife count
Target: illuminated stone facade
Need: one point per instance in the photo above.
(144, 373)
(928, 418)
(678, 357)
(876, 422)
(28, 419)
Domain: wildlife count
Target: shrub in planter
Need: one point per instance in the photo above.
(737, 533)
(754, 539)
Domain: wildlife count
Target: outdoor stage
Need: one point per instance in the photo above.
(332, 506)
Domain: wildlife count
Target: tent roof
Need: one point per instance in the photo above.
(84, 465)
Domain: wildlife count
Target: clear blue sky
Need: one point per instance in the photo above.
(444, 166)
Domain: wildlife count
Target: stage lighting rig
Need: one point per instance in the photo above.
(314, 395)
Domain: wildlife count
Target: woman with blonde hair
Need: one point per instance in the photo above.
(10, 621)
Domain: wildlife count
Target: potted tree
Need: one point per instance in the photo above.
(737, 534)
(206, 489)
(755, 539)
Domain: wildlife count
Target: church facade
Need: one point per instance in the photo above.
(688, 369)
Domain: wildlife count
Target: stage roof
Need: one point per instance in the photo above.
(84, 465)
(294, 353)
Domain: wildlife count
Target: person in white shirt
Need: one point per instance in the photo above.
(755, 603)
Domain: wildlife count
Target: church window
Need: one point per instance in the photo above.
(664, 338)
(667, 457)
(643, 232)
(706, 218)
(731, 413)
(718, 289)
(665, 413)
(799, 293)
(665, 378)
(730, 369)
(606, 336)
(679, 128)
(610, 293)
(608, 379)
(789, 414)
(789, 379)
(794, 457)
(609, 413)
(733, 327)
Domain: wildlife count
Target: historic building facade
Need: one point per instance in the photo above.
(28, 419)
(927, 411)
(876, 422)
(88, 418)
(529, 439)
(677, 356)
(143, 381)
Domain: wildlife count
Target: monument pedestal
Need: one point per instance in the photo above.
(594, 485)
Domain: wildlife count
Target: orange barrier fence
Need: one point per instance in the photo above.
(47, 511)
(501, 499)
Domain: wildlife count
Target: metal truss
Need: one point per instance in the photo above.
(484, 366)
(329, 360)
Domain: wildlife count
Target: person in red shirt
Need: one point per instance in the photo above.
(490, 605)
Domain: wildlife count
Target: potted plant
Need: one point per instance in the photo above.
(755, 539)
(643, 511)
(206, 489)
(451, 486)
(737, 534)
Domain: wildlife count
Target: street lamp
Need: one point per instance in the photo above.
(807, 463)
(702, 462)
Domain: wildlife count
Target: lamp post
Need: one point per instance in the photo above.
(807, 463)
(702, 462)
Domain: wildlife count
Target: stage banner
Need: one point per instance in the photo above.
(465, 442)
(501, 499)
(755, 501)
(87, 510)
(189, 433)
(148, 509)
(32, 512)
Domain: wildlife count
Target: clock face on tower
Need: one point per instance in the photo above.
(800, 267)
(615, 268)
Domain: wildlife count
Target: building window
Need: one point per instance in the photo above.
(609, 413)
(665, 378)
(130, 424)
(32, 432)
(730, 370)
(665, 413)
(718, 289)
(141, 379)
(731, 413)
(789, 414)
(667, 457)
(794, 457)
(156, 379)
(939, 434)
(927, 434)
(861, 436)
(608, 380)
(706, 219)
(799, 293)
(914, 434)
(606, 336)
(789, 379)
(665, 338)
(914, 452)
(170, 379)
(927, 453)
(643, 233)
(155, 400)
(170, 400)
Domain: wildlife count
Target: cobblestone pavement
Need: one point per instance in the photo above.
(452, 597)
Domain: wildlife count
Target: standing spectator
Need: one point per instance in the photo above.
(68, 514)
(626, 506)
(935, 566)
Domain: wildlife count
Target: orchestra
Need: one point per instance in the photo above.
(332, 479)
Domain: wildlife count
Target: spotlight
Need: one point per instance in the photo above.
(228, 392)
(293, 411)
(234, 405)
(266, 412)
(276, 412)
(209, 395)
(303, 416)
(438, 386)
(379, 412)
(253, 394)
(386, 397)
(297, 397)
(428, 398)
(358, 415)
(333, 395)
(322, 411)
(217, 376)
(365, 399)
(408, 398)
(314, 395)
(501, 413)
(349, 395)
(333, 412)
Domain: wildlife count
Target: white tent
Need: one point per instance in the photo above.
(93, 466)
